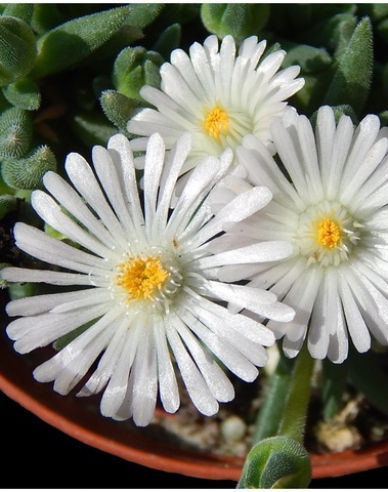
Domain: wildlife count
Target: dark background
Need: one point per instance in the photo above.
(36, 455)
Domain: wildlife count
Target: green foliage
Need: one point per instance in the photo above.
(70, 76)
(267, 423)
(17, 49)
(92, 128)
(309, 58)
(135, 67)
(168, 40)
(23, 11)
(117, 108)
(27, 173)
(73, 41)
(15, 133)
(353, 71)
(23, 94)
(274, 463)
(238, 19)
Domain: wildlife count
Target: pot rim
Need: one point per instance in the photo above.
(105, 435)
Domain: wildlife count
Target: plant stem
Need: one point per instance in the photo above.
(271, 410)
(294, 415)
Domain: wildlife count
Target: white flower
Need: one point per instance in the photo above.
(144, 280)
(335, 213)
(217, 96)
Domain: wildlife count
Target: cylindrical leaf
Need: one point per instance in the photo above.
(276, 462)
(238, 19)
(17, 49)
(24, 94)
(117, 108)
(15, 133)
(135, 67)
(27, 173)
(352, 78)
(71, 42)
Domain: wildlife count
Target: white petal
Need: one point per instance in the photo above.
(255, 253)
(193, 380)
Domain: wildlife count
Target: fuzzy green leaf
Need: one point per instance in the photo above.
(118, 108)
(168, 41)
(23, 94)
(27, 173)
(276, 462)
(15, 133)
(135, 67)
(353, 73)
(17, 49)
(270, 412)
(46, 16)
(92, 128)
(309, 58)
(23, 11)
(73, 41)
(238, 19)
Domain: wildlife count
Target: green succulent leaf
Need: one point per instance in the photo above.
(92, 128)
(353, 74)
(135, 67)
(276, 462)
(309, 58)
(238, 19)
(75, 40)
(46, 17)
(270, 414)
(27, 173)
(23, 94)
(168, 40)
(118, 108)
(15, 133)
(23, 11)
(17, 49)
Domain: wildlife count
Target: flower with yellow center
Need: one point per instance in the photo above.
(329, 233)
(142, 277)
(333, 208)
(147, 300)
(218, 95)
(216, 123)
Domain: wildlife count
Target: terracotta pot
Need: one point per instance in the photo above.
(79, 418)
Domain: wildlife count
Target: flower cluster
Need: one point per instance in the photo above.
(221, 251)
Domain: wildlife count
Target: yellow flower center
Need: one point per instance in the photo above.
(329, 233)
(142, 277)
(216, 122)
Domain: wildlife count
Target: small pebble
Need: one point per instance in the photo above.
(233, 428)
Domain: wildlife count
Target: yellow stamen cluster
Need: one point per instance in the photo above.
(142, 277)
(216, 122)
(329, 233)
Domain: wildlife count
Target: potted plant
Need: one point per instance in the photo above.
(114, 77)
